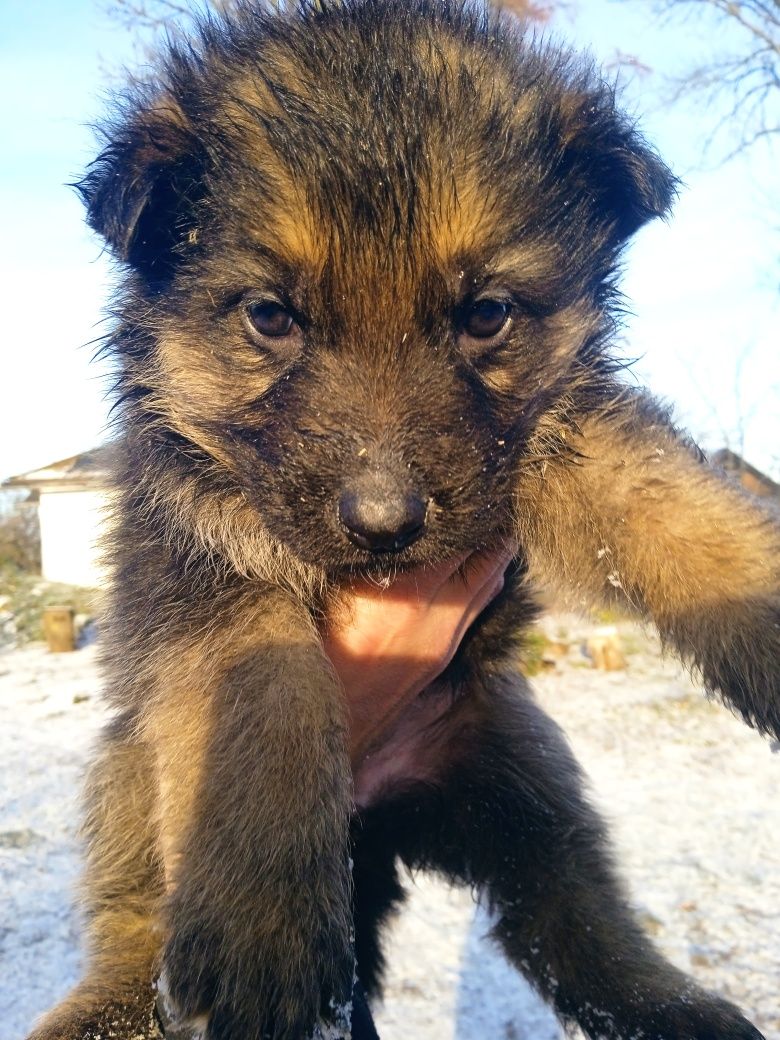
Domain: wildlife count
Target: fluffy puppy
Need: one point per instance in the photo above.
(368, 253)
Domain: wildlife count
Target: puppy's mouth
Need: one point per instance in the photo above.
(384, 567)
(344, 555)
(426, 539)
(382, 553)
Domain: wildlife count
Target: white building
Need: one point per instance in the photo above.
(73, 497)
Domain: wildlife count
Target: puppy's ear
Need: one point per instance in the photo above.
(141, 190)
(626, 180)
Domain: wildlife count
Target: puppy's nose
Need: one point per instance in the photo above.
(379, 516)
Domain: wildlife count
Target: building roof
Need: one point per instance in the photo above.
(87, 471)
(751, 478)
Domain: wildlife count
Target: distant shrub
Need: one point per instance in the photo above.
(20, 535)
(23, 598)
(532, 652)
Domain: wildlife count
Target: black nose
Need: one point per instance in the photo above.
(379, 516)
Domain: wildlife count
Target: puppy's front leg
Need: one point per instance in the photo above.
(256, 792)
(626, 510)
(508, 815)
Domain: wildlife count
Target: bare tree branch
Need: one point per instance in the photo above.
(744, 69)
(148, 14)
(534, 10)
(150, 18)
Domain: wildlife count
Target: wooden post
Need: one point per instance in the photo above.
(604, 650)
(59, 629)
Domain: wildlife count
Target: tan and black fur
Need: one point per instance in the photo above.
(374, 171)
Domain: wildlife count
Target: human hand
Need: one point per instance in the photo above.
(387, 644)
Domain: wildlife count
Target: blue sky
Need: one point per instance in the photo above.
(703, 288)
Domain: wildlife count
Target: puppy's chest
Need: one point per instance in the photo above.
(416, 749)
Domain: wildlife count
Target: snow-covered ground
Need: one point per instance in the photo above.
(690, 791)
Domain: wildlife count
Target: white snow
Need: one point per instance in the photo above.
(691, 793)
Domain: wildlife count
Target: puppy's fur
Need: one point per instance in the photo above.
(373, 171)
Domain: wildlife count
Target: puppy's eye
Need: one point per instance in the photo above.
(485, 319)
(270, 320)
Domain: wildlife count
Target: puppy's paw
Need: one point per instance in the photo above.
(277, 991)
(96, 1017)
(691, 1015)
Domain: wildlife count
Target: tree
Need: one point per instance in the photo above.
(146, 19)
(20, 535)
(741, 75)
(534, 10)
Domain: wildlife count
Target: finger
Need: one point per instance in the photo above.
(466, 617)
(485, 597)
(466, 603)
(427, 581)
(473, 568)
(454, 581)
(422, 583)
(479, 573)
(482, 565)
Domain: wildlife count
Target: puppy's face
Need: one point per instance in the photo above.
(369, 250)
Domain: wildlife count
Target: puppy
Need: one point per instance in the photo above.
(368, 254)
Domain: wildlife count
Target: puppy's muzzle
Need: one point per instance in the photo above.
(381, 515)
